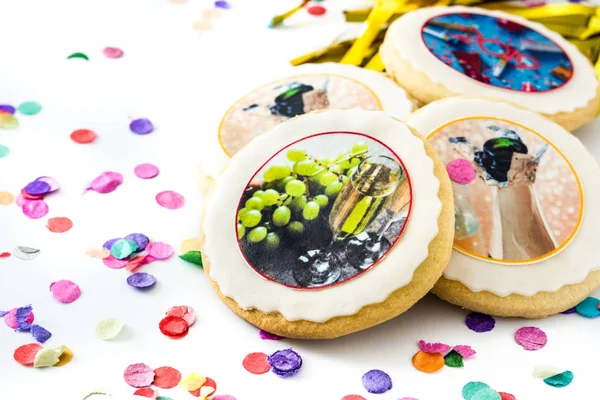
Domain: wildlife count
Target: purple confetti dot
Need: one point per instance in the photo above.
(285, 363)
(376, 381)
(571, 310)
(50, 181)
(7, 108)
(141, 126)
(222, 4)
(37, 188)
(22, 318)
(264, 335)
(140, 239)
(479, 322)
(141, 280)
(108, 244)
(40, 334)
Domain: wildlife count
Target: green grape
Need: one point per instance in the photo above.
(251, 218)
(327, 178)
(351, 171)
(295, 188)
(285, 180)
(255, 203)
(240, 231)
(272, 240)
(344, 178)
(321, 200)
(335, 169)
(311, 211)
(359, 147)
(326, 162)
(281, 216)
(258, 193)
(276, 172)
(354, 162)
(333, 189)
(296, 228)
(241, 214)
(343, 164)
(257, 234)
(270, 197)
(296, 155)
(299, 203)
(305, 167)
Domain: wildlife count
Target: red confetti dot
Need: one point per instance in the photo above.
(166, 377)
(208, 383)
(5, 254)
(353, 397)
(25, 354)
(83, 136)
(173, 326)
(506, 396)
(145, 392)
(59, 224)
(30, 196)
(256, 363)
(316, 10)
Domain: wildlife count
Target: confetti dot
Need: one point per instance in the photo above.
(123, 248)
(166, 377)
(185, 312)
(145, 392)
(159, 250)
(37, 188)
(4, 151)
(193, 257)
(26, 253)
(571, 310)
(83, 136)
(98, 253)
(59, 224)
(461, 171)
(222, 4)
(65, 291)
(48, 356)
(112, 52)
(139, 239)
(560, 380)
(192, 382)
(316, 10)
(109, 243)
(473, 388)
(256, 363)
(202, 25)
(8, 121)
(10, 318)
(25, 355)
(64, 358)
(6, 108)
(78, 55)
(285, 363)
(223, 397)
(453, 359)
(264, 335)
(174, 327)
(39, 334)
(353, 397)
(141, 126)
(170, 199)
(376, 381)
(106, 182)
(35, 209)
(5, 254)
(50, 181)
(29, 108)
(141, 280)
(146, 171)
(206, 390)
(138, 375)
(531, 338)
(6, 198)
(478, 322)
(427, 362)
(506, 396)
(108, 328)
(433, 347)
(113, 263)
(545, 371)
(589, 307)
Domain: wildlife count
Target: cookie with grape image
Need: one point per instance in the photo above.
(312, 230)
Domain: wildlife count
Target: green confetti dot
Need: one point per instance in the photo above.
(4, 151)
(193, 257)
(454, 360)
(123, 248)
(29, 108)
(560, 380)
(78, 55)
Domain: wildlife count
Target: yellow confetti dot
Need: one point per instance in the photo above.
(64, 358)
(202, 25)
(98, 253)
(6, 198)
(8, 121)
(211, 13)
(191, 244)
(193, 382)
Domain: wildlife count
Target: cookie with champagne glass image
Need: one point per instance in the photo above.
(525, 202)
(313, 231)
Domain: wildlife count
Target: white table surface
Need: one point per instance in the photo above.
(172, 74)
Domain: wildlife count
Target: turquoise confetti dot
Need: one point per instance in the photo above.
(560, 380)
(29, 108)
(4, 151)
(471, 388)
(123, 248)
(163, 398)
(486, 394)
(588, 308)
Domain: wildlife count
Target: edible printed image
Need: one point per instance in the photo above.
(276, 102)
(517, 198)
(323, 210)
(497, 52)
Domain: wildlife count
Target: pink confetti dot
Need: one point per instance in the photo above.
(35, 209)
(531, 338)
(159, 250)
(106, 182)
(170, 199)
(10, 319)
(138, 375)
(185, 312)
(146, 171)
(461, 171)
(433, 347)
(464, 350)
(112, 52)
(65, 291)
(113, 263)
(353, 397)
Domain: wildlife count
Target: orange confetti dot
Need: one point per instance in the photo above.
(59, 224)
(428, 362)
(64, 358)
(98, 253)
(6, 198)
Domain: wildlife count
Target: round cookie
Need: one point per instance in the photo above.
(328, 224)
(440, 52)
(526, 205)
(263, 104)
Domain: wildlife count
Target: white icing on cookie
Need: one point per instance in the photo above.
(581, 254)
(236, 279)
(405, 40)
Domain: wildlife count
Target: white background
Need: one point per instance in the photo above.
(172, 74)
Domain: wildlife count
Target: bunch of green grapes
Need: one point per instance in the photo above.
(291, 197)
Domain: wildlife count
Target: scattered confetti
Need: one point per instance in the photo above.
(478, 322)
(208, 388)
(531, 338)
(108, 328)
(264, 335)
(376, 381)
(145, 392)
(588, 307)
(560, 380)
(106, 182)
(453, 359)
(170, 199)
(99, 253)
(26, 253)
(123, 248)
(185, 312)
(159, 250)
(25, 355)
(506, 396)
(138, 375)
(175, 327)
(39, 334)
(6, 198)
(222, 4)
(113, 263)
(193, 257)
(285, 363)
(316, 10)
(35, 209)
(59, 224)
(22, 316)
(138, 261)
(166, 377)
(464, 350)
(83, 136)
(433, 347)
(48, 356)
(78, 55)
(8, 121)
(545, 371)
(146, 171)
(192, 382)
(141, 126)
(141, 280)
(112, 52)
(4, 151)
(461, 171)
(64, 358)
(10, 318)
(256, 363)
(428, 362)
(29, 108)
(139, 239)
(65, 291)
(7, 108)
(109, 243)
